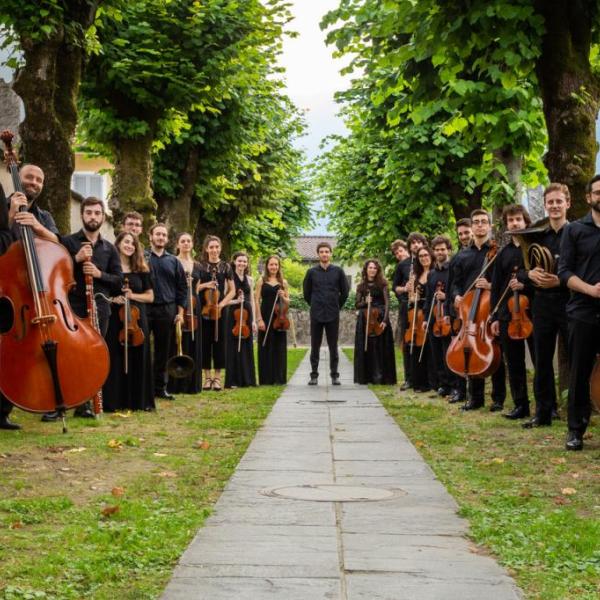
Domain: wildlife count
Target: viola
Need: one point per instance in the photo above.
(473, 352)
(281, 321)
(441, 327)
(415, 333)
(131, 333)
(51, 359)
(520, 326)
(190, 319)
(241, 329)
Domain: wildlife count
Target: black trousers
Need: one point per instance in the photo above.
(402, 327)
(584, 344)
(514, 354)
(316, 337)
(477, 387)
(549, 320)
(160, 325)
(444, 376)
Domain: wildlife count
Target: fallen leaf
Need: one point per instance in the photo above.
(588, 435)
(419, 444)
(575, 475)
(202, 445)
(110, 510)
(167, 474)
(117, 491)
(16, 525)
(123, 415)
(568, 491)
(498, 460)
(75, 450)
(558, 461)
(160, 454)
(65, 469)
(115, 444)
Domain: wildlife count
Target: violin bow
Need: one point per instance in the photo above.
(368, 319)
(483, 272)
(241, 320)
(126, 325)
(506, 290)
(191, 304)
(414, 323)
(214, 278)
(427, 328)
(270, 321)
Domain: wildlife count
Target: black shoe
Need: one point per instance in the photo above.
(405, 386)
(50, 417)
(165, 396)
(443, 391)
(471, 405)
(314, 380)
(574, 441)
(519, 412)
(85, 413)
(5, 423)
(496, 407)
(536, 422)
(335, 380)
(456, 397)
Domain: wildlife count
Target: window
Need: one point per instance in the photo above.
(89, 184)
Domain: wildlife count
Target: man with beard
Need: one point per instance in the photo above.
(43, 226)
(104, 267)
(579, 270)
(170, 300)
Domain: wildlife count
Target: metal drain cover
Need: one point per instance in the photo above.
(331, 492)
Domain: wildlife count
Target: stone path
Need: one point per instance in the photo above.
(262, 544)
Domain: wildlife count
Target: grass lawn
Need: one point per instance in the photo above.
(532, 504)
(106, 510)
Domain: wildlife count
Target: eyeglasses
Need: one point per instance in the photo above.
(478, 222)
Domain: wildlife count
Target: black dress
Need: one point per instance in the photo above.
(239, 368)
(213, 350)
(378, 363)
(421, 378)
(272, 357)
(191, 348)
(134, 390)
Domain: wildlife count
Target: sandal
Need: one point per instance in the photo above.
(208, 383)
(216, 384)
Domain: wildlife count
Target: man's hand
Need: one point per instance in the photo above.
(483, 284)
(84, 253)
(439, 295)
(457, 301)
(595, 290)
(515, 285)
(495, 328)
(16, 201)
(118, 300)
(178, 319)
(542, 279)
(89, 268)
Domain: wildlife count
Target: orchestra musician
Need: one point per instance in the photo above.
(401, 274)
(271, 289)
(374, 359)
(466, 270)
(191, 341)
(133, 390)
(239, 364)
(435, 292)
(42, 224)
(579, 270)
(549, 307)
(510, 276)
(133, 222)
(170, 300)
(325, 289)
(215, 287)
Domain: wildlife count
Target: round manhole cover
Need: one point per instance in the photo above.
(331, 492)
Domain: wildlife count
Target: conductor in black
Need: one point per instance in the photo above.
(326, 291)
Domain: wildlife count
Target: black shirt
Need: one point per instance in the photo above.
(168, 279)
(509, 258)
(401, 276)
(580, 256)
(105, 257)
(6, 237)
(43, 217)
(326, 291)
(439, 274)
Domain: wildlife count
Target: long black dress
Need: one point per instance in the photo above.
(421, 378)
(134, 390)
(191, 348)
(239, 368)
(378, 364)
(213, 351)
(272, 357)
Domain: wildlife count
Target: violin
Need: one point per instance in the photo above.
(281, 321)
(415, 333)
(440, 327)
(473, 352)
(373, 326)
(51, 359)
(241, 329)
(211, 309)
(190, 320)
(520, 326)
(595, 384)
(131, 334)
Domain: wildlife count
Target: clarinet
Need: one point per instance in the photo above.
(93, 316)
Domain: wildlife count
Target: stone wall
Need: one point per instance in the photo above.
(347, 326)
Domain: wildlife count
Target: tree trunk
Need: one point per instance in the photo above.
(132, 179)
(513, 166)
(570, 94)
(463, 203)
(220, 228)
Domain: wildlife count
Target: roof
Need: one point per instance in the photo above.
(306, 245)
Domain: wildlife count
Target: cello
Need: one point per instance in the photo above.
(474, 352)
(50, 359)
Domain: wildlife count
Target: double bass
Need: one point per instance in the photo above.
(50, 359)
(474, 352)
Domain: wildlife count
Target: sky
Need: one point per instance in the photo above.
(313, 77)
